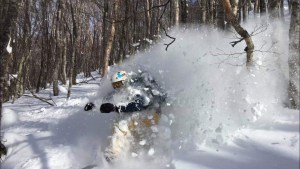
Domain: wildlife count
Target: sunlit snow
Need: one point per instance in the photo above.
(219, 113)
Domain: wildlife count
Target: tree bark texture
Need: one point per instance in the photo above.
(263, 8)
(57, 57)
(111, 37)
(8, 13)
(294, 56)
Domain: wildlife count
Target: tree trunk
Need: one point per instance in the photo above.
(8, 13)
(290, 5)
(245, 10)
(240, 30)
(273, 6)
(203, 8)
(177, 12)
(110, 41)
(20, 89)
(220, 20)
(64, 47)
(147, 6)
(183, 11)
(256, 7)
(64, 62)
(45, 41)
(5, 65)
(26, 43)
(235, 10)
(57, 56)
(77, 10)
(282, 9)
(262, 7)
(294, 56)
(104, 37)
(158, 14)
(235, 6)
(74, 39)
(46, 48)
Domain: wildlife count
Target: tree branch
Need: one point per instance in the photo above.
(35, 96)
(140, 12)
(240, 30)
(40, 98)
(233, 43)
(166, 33)
(257, 30)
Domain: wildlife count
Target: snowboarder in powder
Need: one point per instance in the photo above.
(137, 98)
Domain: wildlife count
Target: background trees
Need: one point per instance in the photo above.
(54, 40)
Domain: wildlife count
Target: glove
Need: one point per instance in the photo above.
(89, 106)
(107, 108)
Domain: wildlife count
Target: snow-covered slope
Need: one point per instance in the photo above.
(221, 115)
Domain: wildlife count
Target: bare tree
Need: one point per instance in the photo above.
(8, 13)
(183, 11)
(241, 31)
(256, 7)
(263, 8)
(148, 5)
(220, 18)
(203, 8)
(274, 6)
(74, 39)
(235, 6)
(177, 11)
(29, 21)
(111, 37)
(212, 9)
(282, 9)
(44, 48)
(245, 9)
(57, 56)
(294, 56)
(235, 10)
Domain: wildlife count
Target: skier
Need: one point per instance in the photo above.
(137, 99)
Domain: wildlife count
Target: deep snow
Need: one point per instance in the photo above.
(221, 115)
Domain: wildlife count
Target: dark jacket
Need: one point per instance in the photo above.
(140, 93)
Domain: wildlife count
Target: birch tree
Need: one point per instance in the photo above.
(110, 37)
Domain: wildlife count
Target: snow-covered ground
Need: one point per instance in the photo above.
(221, 115)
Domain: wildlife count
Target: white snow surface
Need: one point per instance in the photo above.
(219, 114)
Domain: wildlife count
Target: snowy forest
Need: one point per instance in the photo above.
(230, 69)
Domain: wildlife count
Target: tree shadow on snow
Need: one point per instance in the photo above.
(243, 155)
(82, 134)
(87, 135)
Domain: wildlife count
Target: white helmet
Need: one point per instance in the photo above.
(119, 76)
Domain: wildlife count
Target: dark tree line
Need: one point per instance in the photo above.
(54, 40)
(294, 56)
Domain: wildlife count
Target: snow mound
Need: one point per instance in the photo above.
(9, 118)
(62, 89)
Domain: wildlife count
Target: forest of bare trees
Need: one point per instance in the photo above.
(54, 40)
